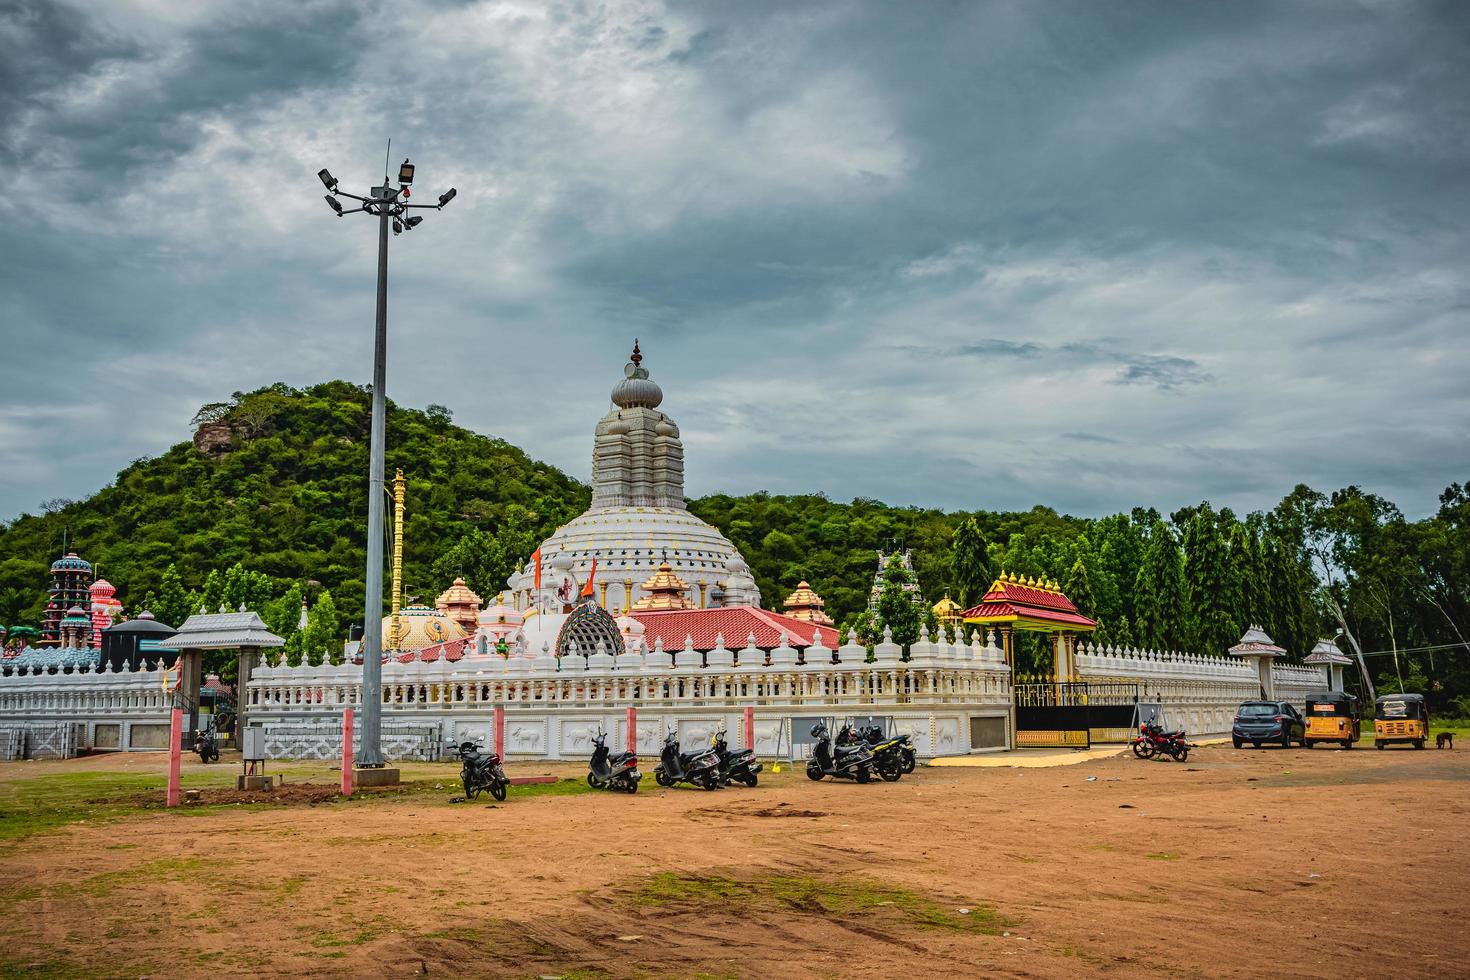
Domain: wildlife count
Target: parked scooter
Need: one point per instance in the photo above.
(887, 752)
(873, 735)
(481, 771)
(206, 744)
(607, 771)
(738, 765)
(842, 762)
(695, 768)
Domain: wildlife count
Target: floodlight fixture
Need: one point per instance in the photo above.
(397, 227)
(447, 196)
(334, 204)
(412, 222)
(405, 173)
(327, 179)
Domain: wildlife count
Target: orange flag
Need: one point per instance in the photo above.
(536, 557)
(587, 589)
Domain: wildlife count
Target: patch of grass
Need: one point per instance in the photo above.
(800, 893)
(291, 885)
(1163, 856)
(163, 869)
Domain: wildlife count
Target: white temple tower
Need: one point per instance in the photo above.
(638, 519)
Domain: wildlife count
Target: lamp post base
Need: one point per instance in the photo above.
(375, 777)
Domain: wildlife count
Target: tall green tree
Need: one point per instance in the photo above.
(1079, 589)
(170, 603)
(1213, 599)
(970, 562)
(1159, 593)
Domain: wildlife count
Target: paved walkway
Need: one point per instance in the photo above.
(1031, 758)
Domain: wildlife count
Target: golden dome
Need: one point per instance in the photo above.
(419, 627)
(946, 610)
(665, 591)
(806, 605)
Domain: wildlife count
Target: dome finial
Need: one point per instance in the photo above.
(637, 357)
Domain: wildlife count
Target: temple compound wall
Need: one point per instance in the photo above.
(951, 698)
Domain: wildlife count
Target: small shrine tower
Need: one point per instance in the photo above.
(664, 590)
(106, 609)
(806, 605)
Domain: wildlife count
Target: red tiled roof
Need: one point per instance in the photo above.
(450, 650)
(735, 623)
(1008, 609)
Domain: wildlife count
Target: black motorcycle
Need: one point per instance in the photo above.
(887, 752)
(481, 771)
(207, 745)
(842, 762)
(873, 735)
(695, 768)
(737, 766)
(616, 772)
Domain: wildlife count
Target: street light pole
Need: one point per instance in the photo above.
(388, 205)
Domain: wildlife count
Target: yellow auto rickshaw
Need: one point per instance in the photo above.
(1401, 718)
(1332, 717)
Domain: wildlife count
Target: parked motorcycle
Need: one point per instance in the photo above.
(841, 762)
(481, 771)
(873, 735)
(695, 768)
(738, 765)
(616, 772)
(207, 745)
(1152, 740)
(887, 752)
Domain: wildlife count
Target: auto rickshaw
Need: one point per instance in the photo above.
(1332, 717)
(1401, 718)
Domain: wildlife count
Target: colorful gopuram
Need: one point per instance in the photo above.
(106, 609)
(911, 587)
(71, 579)
(461, 604)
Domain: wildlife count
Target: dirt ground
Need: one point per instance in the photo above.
(1298, 863)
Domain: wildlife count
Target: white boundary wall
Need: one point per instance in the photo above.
(127, 710)
(949, 697)
(1199, 692)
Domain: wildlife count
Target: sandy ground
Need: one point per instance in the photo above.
(1292, 863)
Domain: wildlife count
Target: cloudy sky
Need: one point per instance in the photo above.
(962, 254)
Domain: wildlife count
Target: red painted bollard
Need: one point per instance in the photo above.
(500, 731)
(175, 737)
(347, 752)
(749, 728)
(633, 730)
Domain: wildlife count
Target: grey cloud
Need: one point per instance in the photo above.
(879, 224)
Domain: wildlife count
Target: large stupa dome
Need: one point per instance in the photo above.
(638, 520)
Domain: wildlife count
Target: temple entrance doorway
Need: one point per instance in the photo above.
(1055, 709)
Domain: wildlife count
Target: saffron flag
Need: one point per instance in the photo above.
(587, 589)
(536, 557)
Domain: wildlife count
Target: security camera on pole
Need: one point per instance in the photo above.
(388, 205)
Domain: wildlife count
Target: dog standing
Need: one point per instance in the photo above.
(1443, 739)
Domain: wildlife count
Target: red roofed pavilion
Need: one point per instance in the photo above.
(1022, 603)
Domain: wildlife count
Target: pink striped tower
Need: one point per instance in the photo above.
(105, 609)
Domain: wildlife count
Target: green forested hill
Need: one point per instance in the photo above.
(278, 513)
(288, 499)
